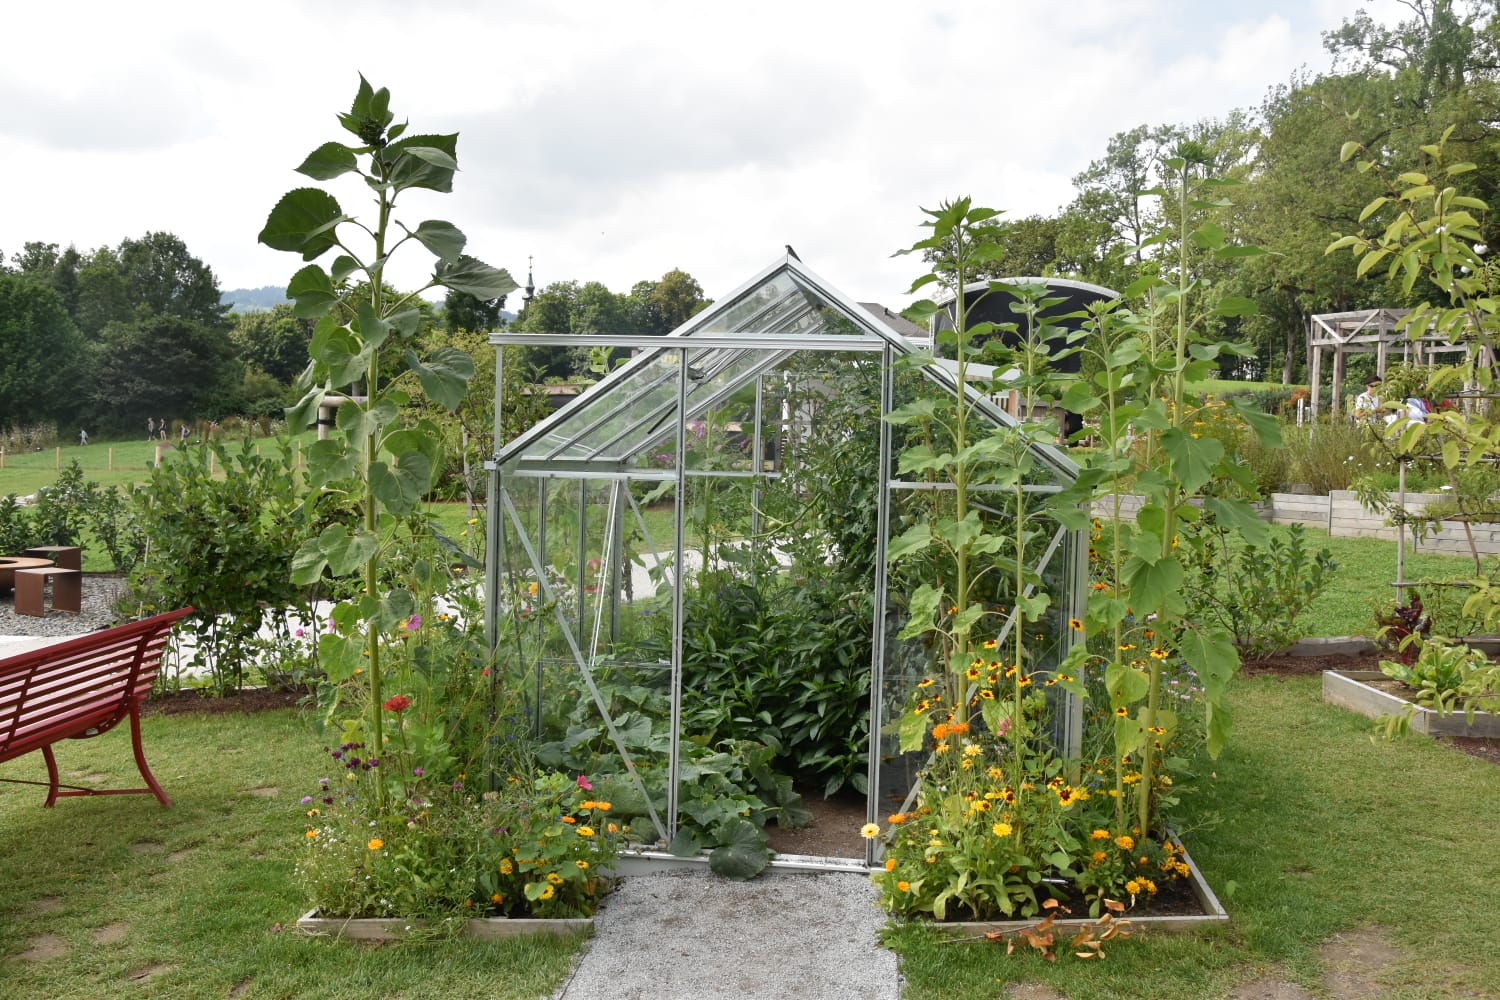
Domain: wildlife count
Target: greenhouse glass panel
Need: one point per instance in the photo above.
(691, 587)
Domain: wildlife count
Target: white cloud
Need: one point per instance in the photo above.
(615, 140)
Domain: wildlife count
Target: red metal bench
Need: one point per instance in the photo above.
(81, 688)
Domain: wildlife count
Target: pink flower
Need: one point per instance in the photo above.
(584, 784)
(1004, 727)
(413, 623)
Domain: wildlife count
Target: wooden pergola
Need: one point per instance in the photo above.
(1365, 331)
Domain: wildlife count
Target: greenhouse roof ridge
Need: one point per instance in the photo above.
(782, 309)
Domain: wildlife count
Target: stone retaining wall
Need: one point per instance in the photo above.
(1340, 515)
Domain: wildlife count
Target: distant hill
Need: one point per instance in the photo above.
(253, 299)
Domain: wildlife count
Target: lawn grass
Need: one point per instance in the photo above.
(1366, 572)
(1320, 831)
(201, 894)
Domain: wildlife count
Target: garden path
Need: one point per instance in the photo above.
(691, 935)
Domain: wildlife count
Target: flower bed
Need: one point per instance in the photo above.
(1374, 695)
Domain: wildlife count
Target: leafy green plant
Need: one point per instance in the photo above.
(364, 345)
(223, 526)
(1446, 676)
(1257, 592)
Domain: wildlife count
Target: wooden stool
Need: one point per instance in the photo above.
(67, 590)
(66, 556)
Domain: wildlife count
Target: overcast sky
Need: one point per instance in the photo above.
(614, 141)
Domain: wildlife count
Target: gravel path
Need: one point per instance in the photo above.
(99, 593)
(690, 935)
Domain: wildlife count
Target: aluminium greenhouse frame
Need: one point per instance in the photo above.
(599, 436)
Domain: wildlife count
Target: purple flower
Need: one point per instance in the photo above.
(413, 623)
(306, 799)
(417, 772)
(298, 633)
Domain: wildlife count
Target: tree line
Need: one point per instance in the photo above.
(110, 338)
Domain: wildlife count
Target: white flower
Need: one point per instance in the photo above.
(1445, 486)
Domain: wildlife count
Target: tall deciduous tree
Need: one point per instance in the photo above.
(41, 353)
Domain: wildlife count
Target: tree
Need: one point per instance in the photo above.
(41, 353)
(163, 277)
(658, 307)
(462, 311)
(163, 367)
(275, 341)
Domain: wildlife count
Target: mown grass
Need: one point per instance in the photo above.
(201, 895)
(1320, 830)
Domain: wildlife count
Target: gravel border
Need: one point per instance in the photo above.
(100, 591)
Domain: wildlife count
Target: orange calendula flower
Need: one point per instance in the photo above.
(903, 886)
(1125, 842)
(375, 844)
(890, 864)
(896, 819)
(569, 819)
(311, 834)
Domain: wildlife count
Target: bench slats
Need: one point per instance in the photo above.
(81, 688)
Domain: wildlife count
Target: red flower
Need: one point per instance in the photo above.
(398, 703)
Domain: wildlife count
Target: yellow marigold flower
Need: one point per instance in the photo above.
(613, 828)
(497, 899)
(870, 831)
(1100, 855)
(1100, 835)
(375, 844)
(1125, 842)
(941, 748)
(1150, 885)
(312, 833)
(1133, 887)
(1001, 829)
(315, 812)
(890, 864)
(603, 807)
(506, 867)
(903, 886)
(585, 831)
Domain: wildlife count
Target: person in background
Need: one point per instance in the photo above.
(1367, 403)
(83, 436)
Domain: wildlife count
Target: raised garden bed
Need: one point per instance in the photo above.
(1213, 914)
(1374, 695)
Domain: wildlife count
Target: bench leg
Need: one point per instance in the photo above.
(51, 776)
(140, 754)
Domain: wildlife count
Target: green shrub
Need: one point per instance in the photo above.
(1330, 456)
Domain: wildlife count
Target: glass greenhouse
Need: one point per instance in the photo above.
(688, 577)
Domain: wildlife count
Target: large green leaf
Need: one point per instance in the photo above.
(444, 375)
(345, 550)
(400, 487)
(1193, 458)
(301, 416)
(424, 439)
(913, 539)
(328, 161)
(303, 221)
(442, 238)
(474, 277)
(308, 563)
(1154, 585)
(329, 461)
(924, 605)
(742, 852)
(311, 292)
(358, 421)
(424, 161)
(339, 656)
(340, 352)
